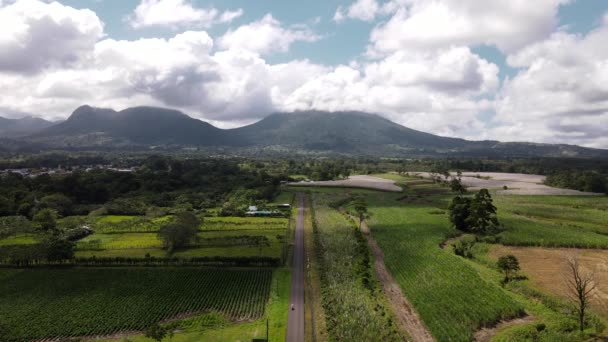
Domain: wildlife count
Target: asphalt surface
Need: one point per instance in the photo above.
(295, 323)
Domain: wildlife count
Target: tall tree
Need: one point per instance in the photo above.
(580, 286)
(181, 232)
(482, 213)
(508, 264)
(360, 206)
(45, 221)
(459, 210)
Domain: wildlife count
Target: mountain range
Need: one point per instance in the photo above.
(351, 133)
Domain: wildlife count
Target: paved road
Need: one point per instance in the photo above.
(295, 324)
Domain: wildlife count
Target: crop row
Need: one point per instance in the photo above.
(43, 303)
(447, 292)
(350, 296)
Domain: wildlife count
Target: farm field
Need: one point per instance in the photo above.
(516, 183)
(251, 242)
(349, 289)
(215, 327)
(554, 221)
(546, 269)
(43, 303)
(530, 220)
(448, 294)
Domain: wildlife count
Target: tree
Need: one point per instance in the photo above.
(58, 202)
(482, 213)
(58, 248)
(45, 220)
(456, 184)
(580, 286)
(5, 206)
(156, 332)
(180, 233)
(361, 209)
(508, 264)
(459, 212)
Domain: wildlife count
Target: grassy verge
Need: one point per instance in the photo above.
(314, 309)
(351, 296)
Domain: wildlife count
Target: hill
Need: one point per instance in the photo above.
(353, 133)
(10, 128)
(132, 127)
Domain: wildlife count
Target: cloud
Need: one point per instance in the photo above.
(178, 13)
(560, 92)
(421, 90)
(266, 36)
(420, 24)
(35, 35)
(364, 10)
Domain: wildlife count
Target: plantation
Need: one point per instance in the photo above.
(268, 243)
(36, 304)
(448, 294)
(554, 221)
(351, 297)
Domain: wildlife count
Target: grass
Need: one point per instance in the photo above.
(355, 309)
(284, 198)
(244, 223)
(19, 239)
(80, 301)
(219, 236)
(554, 221)
(314, 308)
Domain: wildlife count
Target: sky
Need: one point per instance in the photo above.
(515, 70)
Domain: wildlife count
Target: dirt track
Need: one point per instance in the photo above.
(517, 183)
(361, 181)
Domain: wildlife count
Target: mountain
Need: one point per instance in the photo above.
(352, 133)
(342, 132)
(132, 127)
(10, 128)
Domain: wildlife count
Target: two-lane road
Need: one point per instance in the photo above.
(295, 324)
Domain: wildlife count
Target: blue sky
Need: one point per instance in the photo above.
(477, 69)
(342, 42)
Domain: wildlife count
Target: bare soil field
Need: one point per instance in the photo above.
(546, 268)
(516, 183)
(360, 181)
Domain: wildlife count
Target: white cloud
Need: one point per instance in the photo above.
(365, 10)
(265, 36)
(420, 24)
(35, 35)
(178, 13)
(561, 92)
(421, 90)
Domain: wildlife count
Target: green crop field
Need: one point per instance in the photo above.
(19, 239)
(42, 303)
(448, 294)
(244, 223)
(554, 221)
(351, 297)
(211, 243)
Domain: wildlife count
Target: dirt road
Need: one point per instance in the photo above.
(359, 181)
(295, 323)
